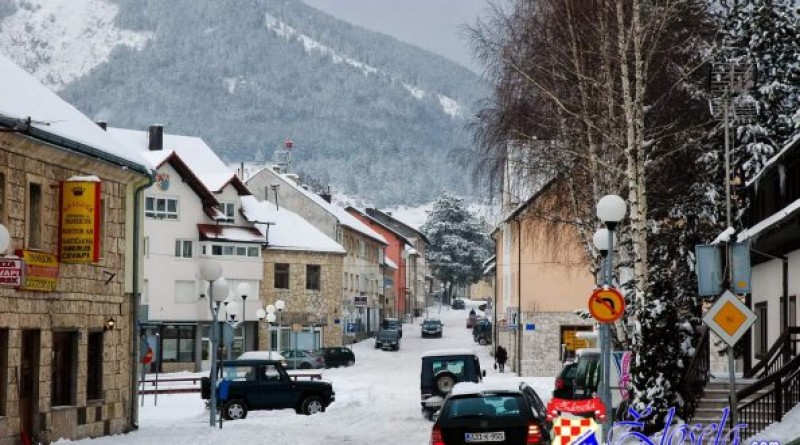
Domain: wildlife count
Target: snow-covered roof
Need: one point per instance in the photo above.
(290, 231)
(339, 213)
(499, 385)
(775, 158)
(23, 96)
(778, 217)
(260, 355)
(446, 352)
(389, 262)
(236, 234)
(193, 151)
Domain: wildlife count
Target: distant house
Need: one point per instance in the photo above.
(192, 213)
(774, 236)
(71, 201)
(362, 275)
(303, 268)
(541, 278)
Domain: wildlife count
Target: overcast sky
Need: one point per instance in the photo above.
(430, 24)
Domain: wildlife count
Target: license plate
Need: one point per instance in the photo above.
(498, 436)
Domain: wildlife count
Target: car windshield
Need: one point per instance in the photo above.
(431, 323)
(388, 335)
(497, 405)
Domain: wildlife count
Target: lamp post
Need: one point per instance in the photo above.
(231, 318)
(280, 305)
(211, 271)
(610, 209)
(243, 289)
(270, 318)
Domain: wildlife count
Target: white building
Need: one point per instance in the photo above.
(192, 212)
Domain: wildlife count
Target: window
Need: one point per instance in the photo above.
(760, 330)
(362, 249)
(233, 250)
(281, 276)
(64, 361)
(313, 276)
(161, 208)
(34, 216)
(186, 292)
(183, 248)
(3, 371)
(253, 251)
(94, 367)
(227, 209)
(177, 344)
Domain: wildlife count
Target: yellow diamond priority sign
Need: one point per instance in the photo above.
(729, 318)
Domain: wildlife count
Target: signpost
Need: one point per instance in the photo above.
(729, 318)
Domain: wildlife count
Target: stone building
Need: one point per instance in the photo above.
(70, 197)
(303, 268)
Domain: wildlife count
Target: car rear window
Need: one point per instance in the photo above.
(455, 365)
(486, 406)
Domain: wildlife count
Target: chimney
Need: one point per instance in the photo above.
(102, 124)
(156, 134)
(326, 195)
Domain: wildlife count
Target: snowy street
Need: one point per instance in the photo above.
(376, 399)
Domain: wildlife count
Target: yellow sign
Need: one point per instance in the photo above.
(729, 318)
(571, 341)
(41, 271)
(606, 305)
(79, 228)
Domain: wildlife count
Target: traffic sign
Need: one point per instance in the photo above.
(606, 305)
(729, 318)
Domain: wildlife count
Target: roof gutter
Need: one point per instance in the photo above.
(24, 127)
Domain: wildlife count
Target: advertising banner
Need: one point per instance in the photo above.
(11, 272)
(41, 270)
(79, 223)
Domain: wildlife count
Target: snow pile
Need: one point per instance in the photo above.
(724, 237)
(783, 431)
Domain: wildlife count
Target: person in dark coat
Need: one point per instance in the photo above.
(500, 356)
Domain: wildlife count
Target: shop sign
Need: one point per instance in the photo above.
(79, 223)
(40, 270)
(11, 272)
(360, 300)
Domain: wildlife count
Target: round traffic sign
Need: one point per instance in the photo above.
(606, 305)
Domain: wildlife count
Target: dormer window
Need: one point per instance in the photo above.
(161, 208)
(228, 210)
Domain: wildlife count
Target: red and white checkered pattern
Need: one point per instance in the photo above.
(567, 429)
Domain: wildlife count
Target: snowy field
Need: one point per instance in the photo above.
(377, 401)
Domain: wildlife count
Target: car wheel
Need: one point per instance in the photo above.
(305, 366)
(483, 342)
(443, 383)
(351, 363)
(234, 410)
(312, 405)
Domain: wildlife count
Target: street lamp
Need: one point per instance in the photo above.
(270, 318)
(243, 289)
(610, 209)
(280, 305)
(211, 271)
(231, 318)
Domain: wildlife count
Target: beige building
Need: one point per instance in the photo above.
(67, 344)
(542, 268)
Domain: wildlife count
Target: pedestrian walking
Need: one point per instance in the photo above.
(500, 356)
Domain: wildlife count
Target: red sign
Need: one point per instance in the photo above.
(606, 305)
(11, 272)
(593, 406)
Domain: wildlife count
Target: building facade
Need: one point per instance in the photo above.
(69, 202)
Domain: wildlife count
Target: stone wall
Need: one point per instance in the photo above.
(541, 348)
(300, 302)
(86, 296)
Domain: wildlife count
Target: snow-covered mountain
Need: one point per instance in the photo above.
(370, 115)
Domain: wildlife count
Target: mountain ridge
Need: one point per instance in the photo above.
(372, 116)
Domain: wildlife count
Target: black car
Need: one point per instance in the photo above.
(501, 412)
(392, 323)
(432, 327)
(337, 356)
(441, 370)
(247, 385)
(565, 382)
(482, 331)
(458, 304)
(388, 339)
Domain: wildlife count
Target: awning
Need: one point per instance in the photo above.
(234, 234)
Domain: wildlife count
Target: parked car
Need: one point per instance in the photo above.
(392, 323)
(482, 331)
(298, 359)
(432, 327)
(337, 356)
(388, 339)
(501, 412)
(471, 319)
(565, 382)
(441, 370)
(458, 304)
(248, 385)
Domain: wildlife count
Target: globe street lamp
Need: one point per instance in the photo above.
(280, 305)
(610, 209)
(243, 290)
(211, 271)
(231, 318)
(270, 318)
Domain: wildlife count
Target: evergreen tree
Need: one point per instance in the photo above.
(459, 243)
